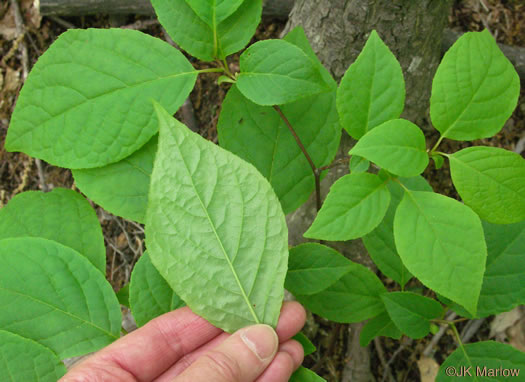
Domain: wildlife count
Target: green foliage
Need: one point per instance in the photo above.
(307, 345)
(149, 294)
(198, 242)
(215, 229)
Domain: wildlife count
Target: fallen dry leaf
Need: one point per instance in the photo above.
(428, 368)
(8, 26)
(502, 322)
(516, 332)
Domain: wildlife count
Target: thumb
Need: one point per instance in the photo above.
(242, 357)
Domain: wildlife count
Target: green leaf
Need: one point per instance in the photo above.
(208, 42)
(275, 72)
(475, 89)
(62, 301)
(314, 267)
(358, 164)
(372, 90)
(212, 13)
(258, 135)
(87, 101)
(355, 205)
(149, 294)
(438, 161)
(297, 36)
(491, 181)
(354, 297)
(397, 145)
(25, 360)
(483, 361)
(121, 188)
(61, 215)
(504, 280)
(214, 223)
(380, 242)
(440, 241)
(307, 345)
(380, 325)
(123, 295)
(411, 312)
(305, 375)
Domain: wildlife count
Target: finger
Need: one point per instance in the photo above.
(295, 350)
(291, 320)
(242, 357)
(149, 351)
(280, 370)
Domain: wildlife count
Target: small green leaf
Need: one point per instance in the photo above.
(440, 241)
(212, 13)
(380, 242)
(475, 89)
(354, 297)
(305, 375)
(62, 301)
(25, 360)
(149, 294)
(438, 161)
(87, 101)
(491, 181)
(411, 312)
(504, 280)
(225, 79)
(297, 36)
(275, 72)
(213, 221)
(372, 90)
(121, 188)
(314, 267)
(397, 145)
(358, 164)
(258, 135)
(483, 361)
(307, 345)
(355, 205)
(380, 325)
(123, 295)
(61, 215)
(208, 42)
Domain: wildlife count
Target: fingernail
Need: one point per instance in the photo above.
(261, 340)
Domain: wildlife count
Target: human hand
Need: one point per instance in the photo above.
(182, 347)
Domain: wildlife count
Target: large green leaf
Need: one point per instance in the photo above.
(87, 101)
(380, 325)
(411, 312)
(380, 242)
(483, 361)
(354, 297)
(214, 223)
(61, 215)
(305, 375)
(258, 135)
(475, 89)
(355, 205)
(441, 242)
(121, 188)
(275, 72)
(215, 11)
(372, 90)
(149, 294)
(23, 360)
(204, 41)
(504, 280)
(62, 301)
(297, 36)
(397, 145)
(491, 181)
(313, 267)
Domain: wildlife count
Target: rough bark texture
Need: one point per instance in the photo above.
(413, 30)
(337, 30)
(274, 8)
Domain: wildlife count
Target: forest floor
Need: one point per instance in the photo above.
(391, 360)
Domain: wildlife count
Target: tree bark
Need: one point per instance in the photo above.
(337, 30)
(273, 8)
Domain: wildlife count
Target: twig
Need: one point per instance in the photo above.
(381, 355)
(41, 175)
(315, 170)
(520, 145)
(62, 22)
(20, 31)
(140, 24)
(442, 329)
(395, 354)
(188, 115)
(470, 329)
(335, 163)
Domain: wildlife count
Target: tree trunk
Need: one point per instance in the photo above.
(337, 30)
